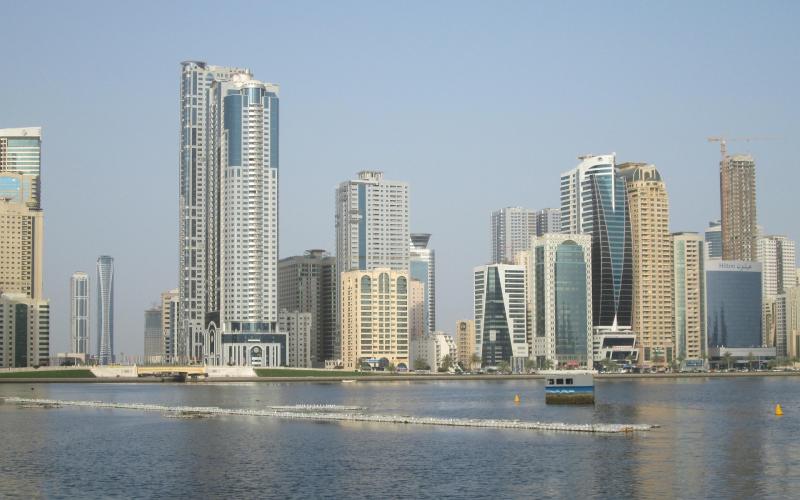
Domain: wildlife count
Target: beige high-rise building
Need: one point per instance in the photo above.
(170, 305)
(465, 342)
(690, 296)
(416, 309)
(737, 190)
(374, 317)
(21, 238)
(652, 312)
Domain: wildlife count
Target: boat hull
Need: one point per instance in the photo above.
(575, 395)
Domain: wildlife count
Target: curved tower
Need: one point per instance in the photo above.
(594, 202)
(105, 309)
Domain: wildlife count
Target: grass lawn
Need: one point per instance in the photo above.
(49, 374)
(280, 372)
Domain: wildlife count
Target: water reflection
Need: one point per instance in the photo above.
(719, 437)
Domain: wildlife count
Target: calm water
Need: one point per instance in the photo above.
(719, 438)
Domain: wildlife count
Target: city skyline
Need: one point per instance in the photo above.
(146, 267)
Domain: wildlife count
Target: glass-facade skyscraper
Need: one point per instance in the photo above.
(594, 202)
(733, 303)
(560, 297)
(105, 310)
(500, 313)
(422, 267)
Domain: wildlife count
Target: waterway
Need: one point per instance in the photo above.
(717, 438)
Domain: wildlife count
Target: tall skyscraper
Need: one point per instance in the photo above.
(25, 333)
(153, 337)
(79, 313)
(690, 296)
(652, 310)
(548, 220)
(21, 238)
(594, 202)
(170, 305)
(512, 228)
(21, 153)
(737, 180)
(778, 265)
(733, 303)
(198, 205)
(374, 318)
(105, 310)
(422, 266)
(229, 223)
(500, 314)
(372, 224)
(713, 237)
(245, 112)
(307, 283)
(560, 298)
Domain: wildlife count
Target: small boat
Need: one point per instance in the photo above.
(569, 387)
(347, 380)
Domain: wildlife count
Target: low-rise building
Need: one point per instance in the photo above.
(24, 331)
(297, 327)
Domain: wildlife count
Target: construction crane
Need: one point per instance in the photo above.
(723, 142)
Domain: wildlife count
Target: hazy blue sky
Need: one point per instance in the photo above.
(477, 105)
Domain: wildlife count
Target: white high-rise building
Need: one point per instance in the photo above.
(548, 220)
(198, 207)
(372, 224)
(778, 273)
(500, 314)
(422, 266)
(244, 113)
(512, 228)
(778, 265)
(229, 218)
(79, 313)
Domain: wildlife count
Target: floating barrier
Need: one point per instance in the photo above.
(317, 407)
(329, 416)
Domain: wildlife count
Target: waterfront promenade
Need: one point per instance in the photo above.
(128, 375)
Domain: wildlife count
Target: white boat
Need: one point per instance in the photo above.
(569, 386)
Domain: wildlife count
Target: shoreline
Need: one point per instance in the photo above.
(379, 378)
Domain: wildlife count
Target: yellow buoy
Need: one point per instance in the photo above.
(516, 398)
(778, 410)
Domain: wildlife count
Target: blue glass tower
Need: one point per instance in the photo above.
(594, 202)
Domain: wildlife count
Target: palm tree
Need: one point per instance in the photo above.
(728, 357)
(529, 365)
(474, 360)
(750, 359)
(503, 367)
